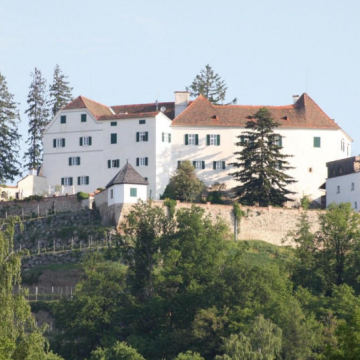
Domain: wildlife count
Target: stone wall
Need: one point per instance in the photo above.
(44, 206)
(267, 224)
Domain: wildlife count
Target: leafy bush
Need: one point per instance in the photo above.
(82, 196)
(215, 197)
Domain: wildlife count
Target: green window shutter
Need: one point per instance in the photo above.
(223, 165)
(196, 139)
(146, 136)
(242, 140)
(137, 161)
(71, 181)
(90, 140)
(137, 137)
(146, 161)
(83, 117)
(70, 161)
(113, 138)
(109, 164)
(207, 140)
(214, 165)
(54, 143)
(194, 163)
(218, 140)
(179, 162)
(317, 141)
(78, 160)
(280, 141)
(186, 139)
(169, 138)
(203, 164)
(133, 192)
(117, 163)
(163, 137)
(87, 180)
(78, 180)
(62, 181)
(63, 142)
(81, 141)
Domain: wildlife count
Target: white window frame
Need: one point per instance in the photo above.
(67, 181)
(142, 136)
(86, 141)
(218, 165)
(82, 180)
(198, 165)
(74, 160)
(142, 161)
(59, 143)
(192, 139)
(113, 163)
(213, 139)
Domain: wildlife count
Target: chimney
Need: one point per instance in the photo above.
(181, 101)
(295, 98)
(33, 172)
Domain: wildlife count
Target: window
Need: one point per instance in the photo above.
(83, 180)
(219, 165)
(111, 193)
(165, 137)
(143, 161)
(63, 119)
(74, 160)
(342, 145)
(113, 123)
(352, 186)
(242, 140)
(317, 141)
(57, 143)
(142, 136)
(67, 181)
(133, 192)
(278, 141)
(85, 141)
(113, 163)
(83, 117)
(338, 189)
(355, 205)
(191, 139)
(113, 138)
(213, 140)
(199, 165)
(310, 170)
(278, 165)
(247, 164)
(142, 122)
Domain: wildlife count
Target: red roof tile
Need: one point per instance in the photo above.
(305, 113)
(128, 116)
(96, 109)
(146, 108)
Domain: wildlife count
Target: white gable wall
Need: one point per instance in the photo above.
(121, 194)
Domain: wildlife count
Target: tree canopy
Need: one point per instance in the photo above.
(261, 164)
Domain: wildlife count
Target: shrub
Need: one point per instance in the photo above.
(82, 196)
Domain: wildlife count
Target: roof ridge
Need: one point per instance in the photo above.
(94, 101)
(153, 103)
(199, 98)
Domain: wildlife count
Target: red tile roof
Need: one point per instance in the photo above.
(97, 110)
(128, 116)
(305, 113)
(146, 108)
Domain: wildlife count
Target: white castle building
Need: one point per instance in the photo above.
(87, 142)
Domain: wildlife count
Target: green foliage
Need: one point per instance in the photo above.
(38, 114)
(209, 84)
(119, 351)
(59, 91)
(305, 202)
(261, 164)
(238, 213)
(184, 184)
(214, 197)
(82, 196)
(33, 198)
(170, 204)
(189, 355)
(10, 137)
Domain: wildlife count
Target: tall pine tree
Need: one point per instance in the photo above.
(9, 136)
(38, 114)
(209, 84)
(262, 166)
(60, 92)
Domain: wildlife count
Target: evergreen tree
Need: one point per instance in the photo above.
(59, 91)
(9, 136)
(38, 114)
(209, 84)
(261, 163)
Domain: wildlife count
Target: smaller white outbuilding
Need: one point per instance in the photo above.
(126, 187)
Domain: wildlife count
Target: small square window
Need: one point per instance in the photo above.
(63, 119)
(142, 136)
(59, 143)
(142, 161)
(67, 181)
(83, 117)
(142, 122)
(74, 160)
(83, 180)
(213, 139)
(113, 123)
(86, 140)
(192, 139)
(133, 192)
(198, 165)
(317, 141)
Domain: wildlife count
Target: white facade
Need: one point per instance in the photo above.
(126, 194)
(93, 171)
(345, 188)
(309, 162)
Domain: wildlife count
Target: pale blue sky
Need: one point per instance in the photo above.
(266, 51)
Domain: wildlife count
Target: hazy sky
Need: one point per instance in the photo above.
(124, 52)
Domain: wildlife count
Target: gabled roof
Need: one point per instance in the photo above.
(96, 109)
(146, 108)
(305, 113)
(127, 175)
